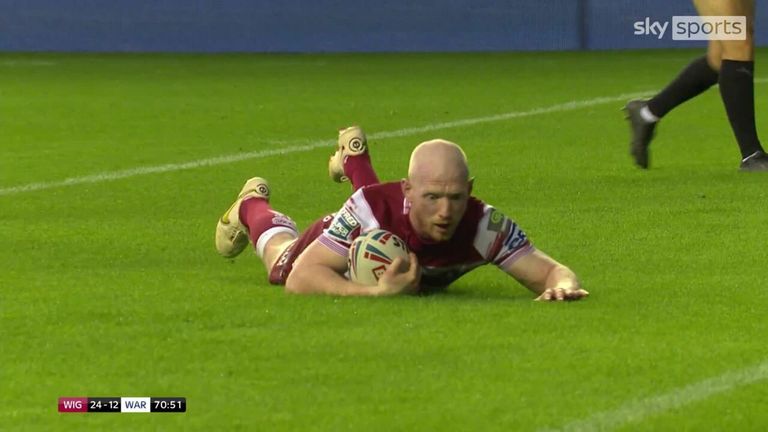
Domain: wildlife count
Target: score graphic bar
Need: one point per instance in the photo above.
(122, 404)
(168, 404)
(104, 404)
(135, 404)
(73, 404)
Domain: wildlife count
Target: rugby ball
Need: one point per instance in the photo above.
(371, 253)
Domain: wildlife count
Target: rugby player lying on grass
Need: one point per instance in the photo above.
(448, 232)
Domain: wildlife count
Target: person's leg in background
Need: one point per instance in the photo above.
(643, 115)
(736, 81)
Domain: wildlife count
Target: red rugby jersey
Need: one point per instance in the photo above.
(484, 235)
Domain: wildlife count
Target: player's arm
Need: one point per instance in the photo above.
(545, 277)
(319, 270)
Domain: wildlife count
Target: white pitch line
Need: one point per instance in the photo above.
(637, 411)
(133, 172)
(568, 106)
(221, 160)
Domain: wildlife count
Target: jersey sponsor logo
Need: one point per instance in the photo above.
(516, 238)
(495, 233)
(281, 219)
(496, 220)
(349, 220)
(338, 232)
(342, 226)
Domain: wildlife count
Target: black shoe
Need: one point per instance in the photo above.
(756, 162)
(642, 132)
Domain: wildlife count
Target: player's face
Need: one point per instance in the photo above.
(436, 206)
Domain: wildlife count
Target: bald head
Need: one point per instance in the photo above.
(438, 189)
(440, 160)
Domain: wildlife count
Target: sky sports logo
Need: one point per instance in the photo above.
(695, 28)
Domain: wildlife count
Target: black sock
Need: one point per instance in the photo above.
(737, 89)
(692, 81)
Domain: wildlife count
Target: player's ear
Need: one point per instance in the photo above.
(405, 186)
(471, 182)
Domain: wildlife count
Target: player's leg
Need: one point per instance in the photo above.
(732, 49)
(283, 263)
(250, 219)
(694, 79)
(737, 80)
(715, 55)
(351, 160)
(269, 231)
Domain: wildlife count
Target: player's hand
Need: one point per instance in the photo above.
(562, 294)
(401, 276)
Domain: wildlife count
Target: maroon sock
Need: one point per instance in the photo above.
(360, 171)
(258, 217)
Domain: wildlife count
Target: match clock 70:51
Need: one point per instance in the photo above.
(168, 404)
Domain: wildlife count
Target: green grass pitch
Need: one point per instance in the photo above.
(110, 285)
